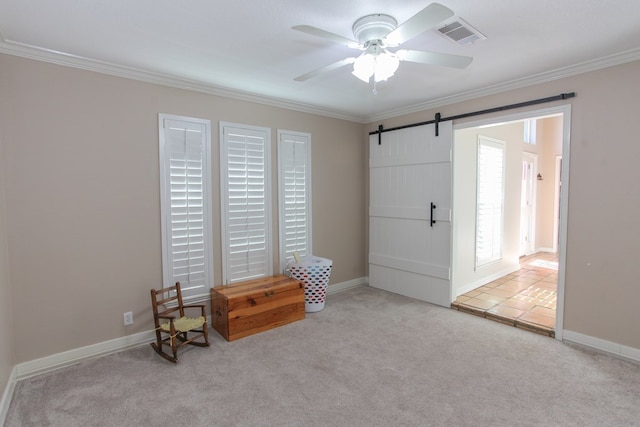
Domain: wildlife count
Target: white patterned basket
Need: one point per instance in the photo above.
(314, 273)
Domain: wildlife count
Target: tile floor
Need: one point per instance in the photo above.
(525, 299)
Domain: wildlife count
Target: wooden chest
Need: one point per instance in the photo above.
(257, 305)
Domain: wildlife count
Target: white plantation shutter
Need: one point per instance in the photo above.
(490, 200)
(186, 204)
(246, 207)
(294, 186)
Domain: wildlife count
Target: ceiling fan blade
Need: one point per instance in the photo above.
(433, 58)
(326, 35)
(422, 21)
(325, 69)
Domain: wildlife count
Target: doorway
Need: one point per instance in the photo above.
(542, 244)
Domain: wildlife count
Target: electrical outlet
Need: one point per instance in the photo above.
(128, 318)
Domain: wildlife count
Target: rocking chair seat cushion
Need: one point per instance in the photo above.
(184, 324)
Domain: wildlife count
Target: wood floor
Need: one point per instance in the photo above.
(525, 299)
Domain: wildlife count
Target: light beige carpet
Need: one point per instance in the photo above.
(370, 358)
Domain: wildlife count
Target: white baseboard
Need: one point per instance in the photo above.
(60, 360)
(474, 285)
(7, 395)
(343, 286)
(550, 250)
(618, 350)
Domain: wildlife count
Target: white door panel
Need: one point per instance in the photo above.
(439, 214)
(395, 185)
(410, 266)
(411, 143)
(399, 238)
(407, 240)
(409, 171)
(413, 285)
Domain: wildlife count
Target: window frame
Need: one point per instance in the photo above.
(227, 276)
(200, 293)
(285, 137)
(496, 252)
(530, 131)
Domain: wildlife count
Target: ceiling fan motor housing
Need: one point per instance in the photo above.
(373, 27)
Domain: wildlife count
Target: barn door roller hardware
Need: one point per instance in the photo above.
(438, 118)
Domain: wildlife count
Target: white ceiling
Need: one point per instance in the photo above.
(247, 49)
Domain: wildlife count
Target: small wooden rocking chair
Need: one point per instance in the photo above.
(174, 331)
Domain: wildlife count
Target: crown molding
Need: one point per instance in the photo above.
(87, 64)
(535, 79)
(64, 59)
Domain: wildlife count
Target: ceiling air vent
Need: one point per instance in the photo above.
(461, 32)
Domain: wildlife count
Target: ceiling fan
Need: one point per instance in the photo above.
(378, 32)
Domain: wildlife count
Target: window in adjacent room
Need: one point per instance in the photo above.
(185, 204)
(294, 194)
(490, 200)
(246, 202)
(530, 131)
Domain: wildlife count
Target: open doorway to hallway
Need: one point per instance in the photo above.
(520, 286)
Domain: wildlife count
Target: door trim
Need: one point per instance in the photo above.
(556, 202)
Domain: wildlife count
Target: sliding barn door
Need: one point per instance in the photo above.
(410, 212)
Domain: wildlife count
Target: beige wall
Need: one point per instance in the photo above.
(6, 316)
(549, 145)
(83, 206)
(81, 197)
(603, 232)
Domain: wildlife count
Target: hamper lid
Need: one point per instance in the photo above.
(311, 260)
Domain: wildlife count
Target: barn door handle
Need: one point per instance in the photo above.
(432, 221)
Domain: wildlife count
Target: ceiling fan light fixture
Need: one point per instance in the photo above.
(379, 65)
(386, 65)
(364, 67)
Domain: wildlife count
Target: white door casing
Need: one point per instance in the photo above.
(410, 170)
